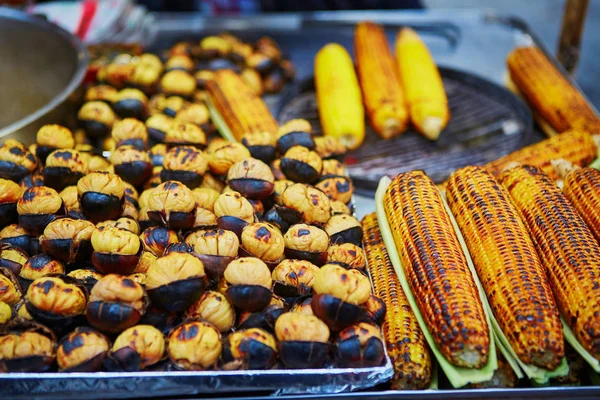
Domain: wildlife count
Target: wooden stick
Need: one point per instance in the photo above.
(570, 37)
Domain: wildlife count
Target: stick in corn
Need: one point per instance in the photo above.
(437, 269)
(422, 83)
(405, 342)
(549, 93)
(379, 80)
(567, 249)
(510, 270)
(338, 96)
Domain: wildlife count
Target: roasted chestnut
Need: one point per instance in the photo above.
(173, 205)
(185, 164)
(179, 62)
(344, 229)
(96, 118)
(67, 239)
(202, 77)
(179, 247)
(157, 238)
(99, 164)
(205, 219)
(306, 242)
(157, 154)
(211, 182)
(71, 200)
(197, 114)
(136, 348)
(125, 223)
(82, 350)
(265, 318)
(52, 137)
(258, 206)
(206, 198)
(333, 168)
(347, 255)
(15, 236)
(213, 307)
(239, 51)
(131, 103)
(38, 266)
(171, 105)
(132, 165)
(253, 80)
(375, 310)
(329, 147)
(158, 125)
(10, 290)
(261, 146)
(338, 188)
(130, 213)
(339, 295)
(274, 81)
(276, 169)
(280, 187)
(359, 346)
(296, 132)
(214, 46)
(300, 164)
(64, 168)
(337, 208)
(16, 162)
(101, 196)
(175, 280)
(155, 179)
(26, 346)
(115, 250)
(221, 158)
(249, 349)
(249, 283)
(294, 278)
(116, 303)
(146, 260)
(264, 241)
(233, 212)
(216, 248)
(305, 203)
(56, 300)
(87, 277)
(105, 93)
(130, 131)
(6, 313)
(185, 133)
(32, 180)
(194, 346)
(179, 83)
(12, 258)
(303, 340)
(260, 62)
(21, 311)
(252, 178)
(144, 220)
(38, 207)
(302, 306)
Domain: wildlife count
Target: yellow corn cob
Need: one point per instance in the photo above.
(422, 83)
(379, 80)
(567, 248)
(437, 270)
(574, 146)
(404, 339)
(510, 270)
(549, 93)
(243, 111)
(338, 95)
(582, 188)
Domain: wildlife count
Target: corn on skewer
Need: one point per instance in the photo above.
(379, 80)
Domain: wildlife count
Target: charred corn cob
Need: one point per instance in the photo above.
(575, 146)
(567, 249)
(550, 93)
(582, 188)
(338, 96)
(422, 83)
(437, 269)
(379, 80)
(404, 339)
(243, 111)
(507, 264)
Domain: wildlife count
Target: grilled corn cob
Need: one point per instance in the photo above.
(243, 111)
(379, 80)
(575, 146)
(504, 376)
(550, 93)
(422, 83)
(338, 96)
(437, 270)
(507, 264)
(582, 188)
(567, 248)
(404, 339)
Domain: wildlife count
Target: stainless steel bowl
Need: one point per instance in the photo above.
(41, 65)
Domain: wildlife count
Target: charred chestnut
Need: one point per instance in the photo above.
(38, 207)
(157, 154)
(216, 248)
(116, 303)
(264, 241)
(250, 349)
(82, 350)
(96, 118)
(300, 164)
(249, 283)
(50, 138)
(56, 300)
(375, 309)
(280, 187)
(130, 131)
(115, 250)
(202, 77)
(265, 318)
(131, 103)
(99, 164)
(339, 208)
(206, 198)
(214, 46)
(26, 347)
(105, 93)
(303, 340)
(213, 307)
(125, 223)
(136, 348)
(274, 81)
(185, 164)
(347, 255)
(39, 266)
(158, 125)
(12, 258)
(175, 281)
(261, 146)
(276, 169)
(222, 158)
(146, 260)
(171, 105)
(233, 212)
(294, 278)
(329, 147)
(196, 114)
(15, 236)
(185, 133)
(179, 247)
(64, 168)
(87, 277)
(252, 178)
(132, 165)
(156, 239)
(71, 200)
(211, 182)
(101, 196)
(194, 346)
(6, 313)
(10, 192)
(173, 205)
(144, 220)
(260, 62)
(179, 62)
(337, 188)
(130, 213)
(310, 204)
(344, 229)
(32, 180)
(155, 180)
(359, 346)
(16, 162)
(302, 306)
(339, 295)
(306, 242)
(10, 290)
(205, 219)
(179, 83)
